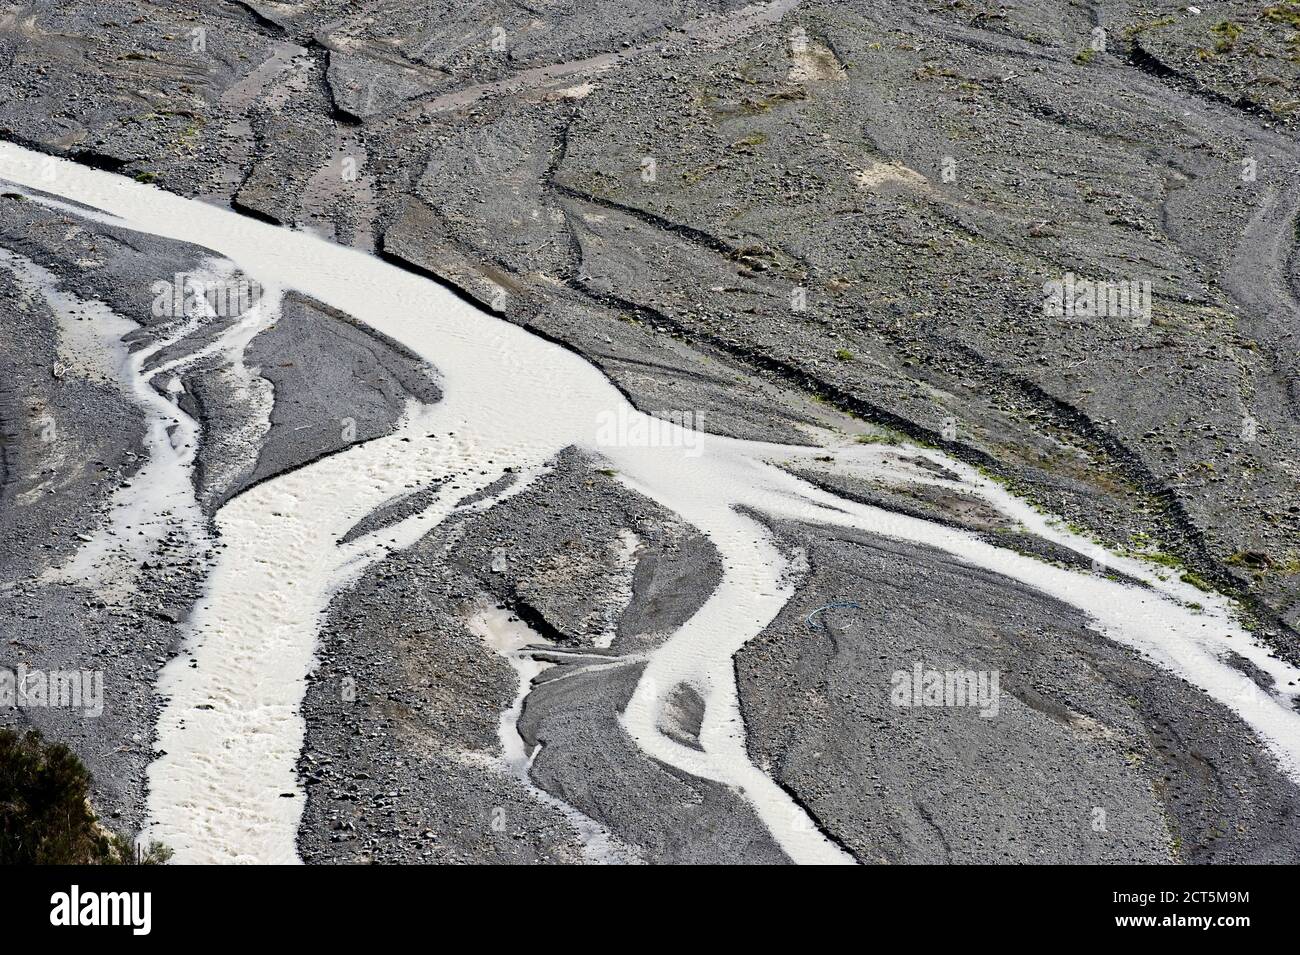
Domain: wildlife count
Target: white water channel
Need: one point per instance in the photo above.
(514, 641)
(160, 495)
(231, 728)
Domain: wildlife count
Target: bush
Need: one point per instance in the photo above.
(45, 813)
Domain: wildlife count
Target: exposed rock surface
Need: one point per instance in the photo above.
(786, 221)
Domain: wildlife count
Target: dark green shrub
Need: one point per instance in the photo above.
(45, 814)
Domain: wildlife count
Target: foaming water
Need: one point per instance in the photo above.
(231, 729)
(159, 498)
(513, 640)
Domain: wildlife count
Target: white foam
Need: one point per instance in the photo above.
(160, 496)
(513, 400)
(511, 638)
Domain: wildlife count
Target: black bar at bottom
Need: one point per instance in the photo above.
(298, 905)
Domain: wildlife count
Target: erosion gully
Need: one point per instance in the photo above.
(231, 727)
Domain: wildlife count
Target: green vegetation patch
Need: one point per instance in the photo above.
(1286, 13)
(45, 814)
